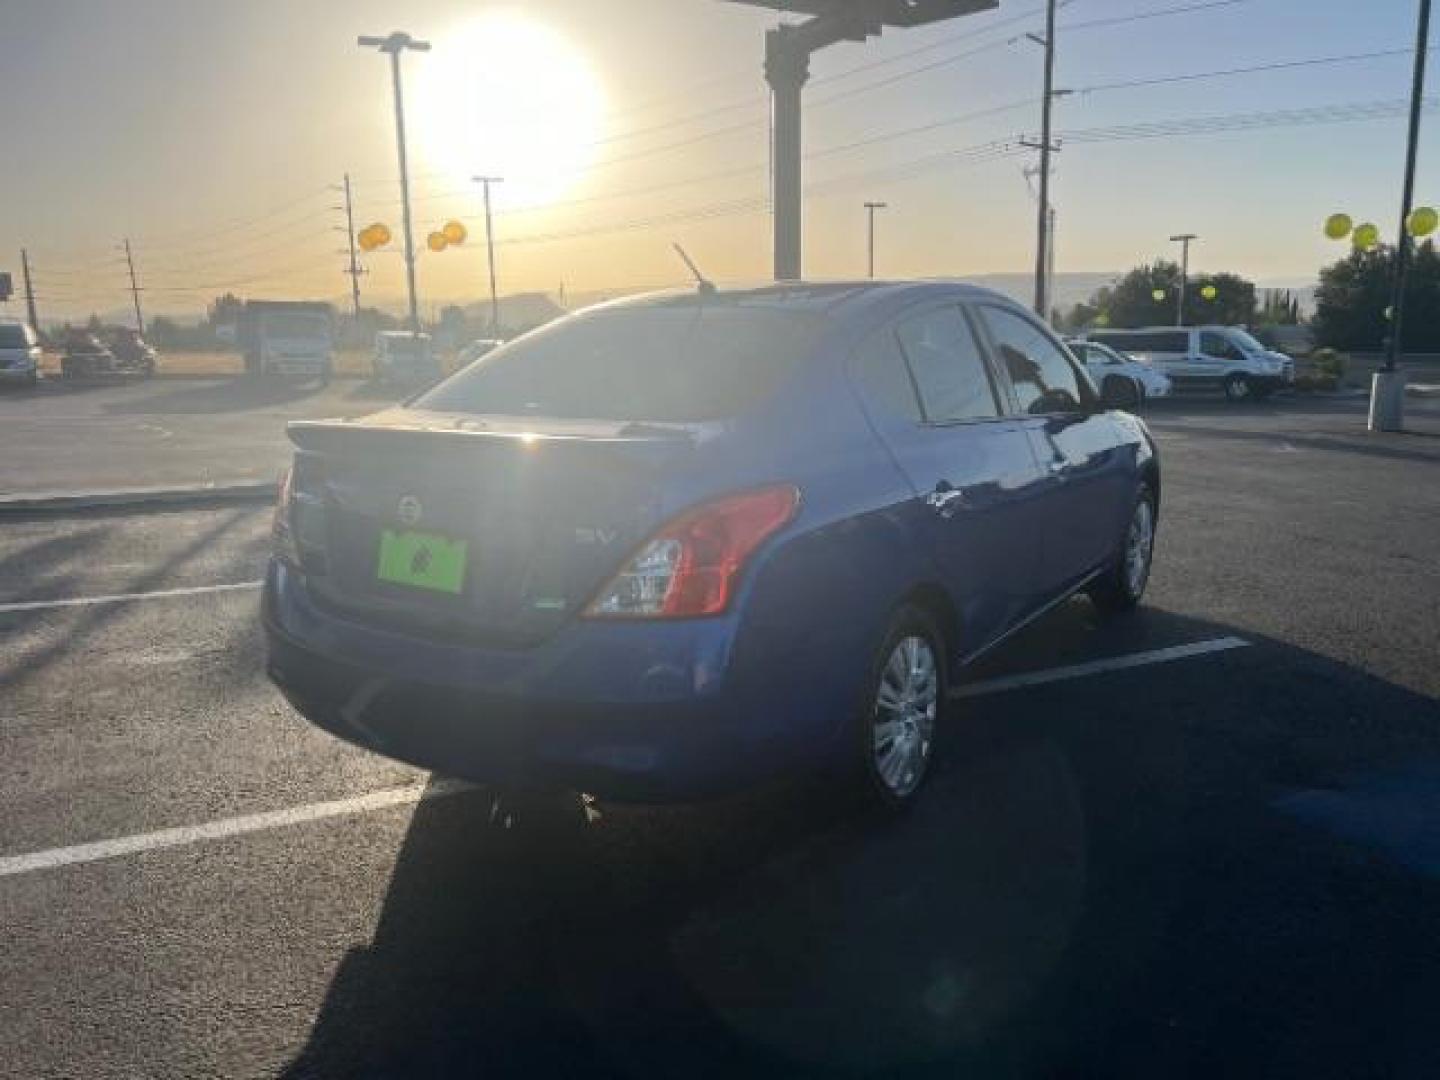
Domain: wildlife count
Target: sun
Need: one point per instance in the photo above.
(506, 96)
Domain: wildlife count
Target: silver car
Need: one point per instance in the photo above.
(19, 354)
(1118, 376)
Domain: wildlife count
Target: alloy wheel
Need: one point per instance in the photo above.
(903, 728)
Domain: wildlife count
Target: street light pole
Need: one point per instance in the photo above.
(486, 181)
(395, 44)
(870, 208)
(1407, 198)
(1184, 241)
(1387, 386)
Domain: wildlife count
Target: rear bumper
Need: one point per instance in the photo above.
(19, 373)
(633, 711)
(294, 366)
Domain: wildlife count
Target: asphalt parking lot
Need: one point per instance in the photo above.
(104, 434)
(1202, 839)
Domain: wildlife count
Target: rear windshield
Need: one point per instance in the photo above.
(13, 337)
(406, 346)
(660, 362)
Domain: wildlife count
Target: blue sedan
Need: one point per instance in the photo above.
(680, 544)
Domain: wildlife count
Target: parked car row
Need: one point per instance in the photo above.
(1222, 357)
(409, 358)
(86, 354)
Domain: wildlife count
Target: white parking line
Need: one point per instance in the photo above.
(125, 598)
(1099, 667)
(227, 827)
(186, 835)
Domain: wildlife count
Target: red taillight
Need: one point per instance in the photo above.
(690, 566)
(282, 538)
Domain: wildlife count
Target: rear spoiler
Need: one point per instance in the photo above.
(473, 433)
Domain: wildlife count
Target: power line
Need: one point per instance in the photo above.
(1284, 65)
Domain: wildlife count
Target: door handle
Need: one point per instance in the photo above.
(945, 499)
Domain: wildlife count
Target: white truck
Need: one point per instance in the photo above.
(287, 337)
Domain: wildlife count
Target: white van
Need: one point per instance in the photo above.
(19, 354)
(1220, 356)
(404, 357)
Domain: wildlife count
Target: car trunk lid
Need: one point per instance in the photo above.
(484, 528)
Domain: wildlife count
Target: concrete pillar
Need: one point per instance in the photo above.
(787, 67)
(1387, 401)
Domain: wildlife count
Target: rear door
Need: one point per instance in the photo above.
(934, 401)
(1088, 472)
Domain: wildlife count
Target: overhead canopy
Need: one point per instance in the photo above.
(884, 12)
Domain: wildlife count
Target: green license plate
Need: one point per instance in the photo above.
(422, 561)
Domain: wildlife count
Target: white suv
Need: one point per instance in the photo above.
(1220, 356)
(19, 354)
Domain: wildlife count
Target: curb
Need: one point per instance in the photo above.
(50, 503)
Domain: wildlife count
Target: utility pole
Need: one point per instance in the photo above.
(1387, 394)
(485, 182)
(395, 44)
(1184, 241)
(870, 208)
(1042, 243)
(354, 270)
(134, 289)
(29, 290)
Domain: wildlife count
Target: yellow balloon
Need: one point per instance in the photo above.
(436, 241)
(1366, 236)
(1338, 226)
(1423, 221)
(1157, 295)
(380, 233)
(1209, 292)
(454, 232)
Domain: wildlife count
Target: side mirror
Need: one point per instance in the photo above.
(1117, 394)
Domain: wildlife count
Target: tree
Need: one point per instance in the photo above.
(1131, 300)
(1353, 300)
(1234, 303)
(1281, 308)
(224, 311)
(164, 332)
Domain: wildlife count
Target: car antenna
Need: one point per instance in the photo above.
(705, 286)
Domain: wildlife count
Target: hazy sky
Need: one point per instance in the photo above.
(209, 133)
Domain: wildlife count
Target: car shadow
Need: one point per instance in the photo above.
(19, 665)
(236, 394)
(1102, 879)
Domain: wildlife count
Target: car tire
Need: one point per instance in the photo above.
(898, 718)
(1122, 586)
(1129, 392)
(1238, 388)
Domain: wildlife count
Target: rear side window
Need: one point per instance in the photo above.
(692, 361)
(883, 378)
(948, 368)
(1147, 342)
(1044, 380)
(14, 336)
